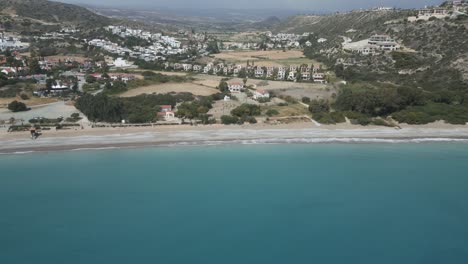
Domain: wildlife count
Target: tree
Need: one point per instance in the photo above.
(223, 86)
(75, 87)
(229, 120)
(319, 106)
(272, 112)
(34, 67)
(246, 110)
(16, 106)
(50, 83)
(90, 79)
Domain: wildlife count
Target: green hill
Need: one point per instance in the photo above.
(52, 12)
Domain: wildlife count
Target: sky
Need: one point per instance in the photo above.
(309, 5)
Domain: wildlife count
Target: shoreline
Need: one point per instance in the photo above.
(107, 138)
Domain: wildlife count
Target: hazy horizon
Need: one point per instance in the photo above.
(299, 5)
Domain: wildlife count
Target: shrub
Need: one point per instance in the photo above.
(305, 100)
(272, 112)
(229, 120)
(329, 118)
(263, 100)
(319, 106)
(16, 106)
(24, 97)
(246, 110)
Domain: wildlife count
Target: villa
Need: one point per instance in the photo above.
(166, 113)
(261, 94)
(235, 87)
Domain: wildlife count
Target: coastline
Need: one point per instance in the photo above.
(300, 133)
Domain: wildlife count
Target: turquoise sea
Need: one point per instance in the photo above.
(231, 204)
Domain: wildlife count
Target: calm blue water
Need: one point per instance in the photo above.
(404, 203)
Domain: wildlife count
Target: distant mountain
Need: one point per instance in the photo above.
(53, 12)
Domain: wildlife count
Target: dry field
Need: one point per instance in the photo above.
(299, 93)
(259, 55)
(33, 101)
(289, 110)
(79, 59)
(296, 90)
(169, 73)
(193, 88)
(270, 58)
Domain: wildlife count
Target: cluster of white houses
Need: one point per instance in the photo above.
(290, 73)
(125, 32)
(238, 87)
(161, 46)
(151, 53)
(439, 12)
(10, 42)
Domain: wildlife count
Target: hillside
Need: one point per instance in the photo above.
(49, 12)
(336, 24)
(425, 81)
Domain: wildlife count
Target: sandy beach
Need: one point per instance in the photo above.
(301, 133)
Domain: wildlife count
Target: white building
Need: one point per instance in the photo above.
(261, 94)
(235, 87)
(121, 63)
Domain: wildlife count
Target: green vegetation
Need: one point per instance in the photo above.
(431, 112)
(242, 114)
(272, 112)
(75, 117)
(55, 12)
(246, 110)
(319, 106)
(16, 106)
(329, 118)
(140, 109)
(229, 120)
(196, 109)
(45, 121)
(9, 92)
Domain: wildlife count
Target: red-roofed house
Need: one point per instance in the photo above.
(8, 71)
(166, 112)
(259, 94)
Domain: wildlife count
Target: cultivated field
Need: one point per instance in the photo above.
(193, 88)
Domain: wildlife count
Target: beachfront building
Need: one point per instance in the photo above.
(166, 113)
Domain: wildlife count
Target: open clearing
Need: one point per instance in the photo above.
(260, 55)
(168, 73)
(294, 89)
(77, 58)
(163, 88)
(270, 58)
(31, 102)
(53, 110)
